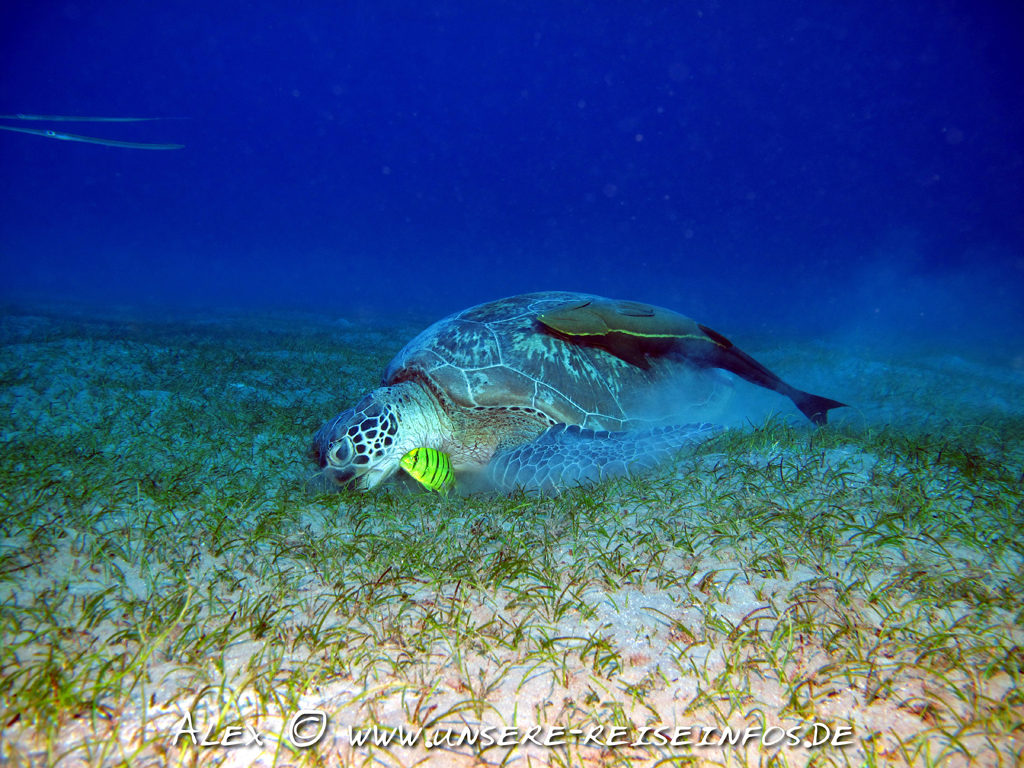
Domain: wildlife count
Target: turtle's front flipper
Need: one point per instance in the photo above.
(564, 456)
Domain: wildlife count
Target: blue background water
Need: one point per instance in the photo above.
(780, 165)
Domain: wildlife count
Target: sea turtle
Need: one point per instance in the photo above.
(542, 391)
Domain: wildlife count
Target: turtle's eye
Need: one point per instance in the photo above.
(340, 452)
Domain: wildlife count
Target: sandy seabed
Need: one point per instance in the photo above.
(169, 573)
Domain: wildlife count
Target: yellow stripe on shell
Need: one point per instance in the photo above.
(598, 318)
(430, 467)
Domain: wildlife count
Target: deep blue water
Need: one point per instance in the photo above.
(790, 166)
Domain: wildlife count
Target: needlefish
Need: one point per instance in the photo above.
(430, 467)
(62, 136)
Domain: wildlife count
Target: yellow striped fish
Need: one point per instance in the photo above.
(432, 468)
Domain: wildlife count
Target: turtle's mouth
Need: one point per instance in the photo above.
(345, 479)
(355, 479)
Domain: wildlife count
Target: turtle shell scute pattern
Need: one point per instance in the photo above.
(498, 354)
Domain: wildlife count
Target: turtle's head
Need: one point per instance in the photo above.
(359, 448)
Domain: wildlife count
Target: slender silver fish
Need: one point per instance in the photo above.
(73, 119)
(88, 139)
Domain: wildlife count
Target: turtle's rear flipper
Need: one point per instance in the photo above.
(564, 456)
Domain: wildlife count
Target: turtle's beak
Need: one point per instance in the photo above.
(343, 480)
(353, 478)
